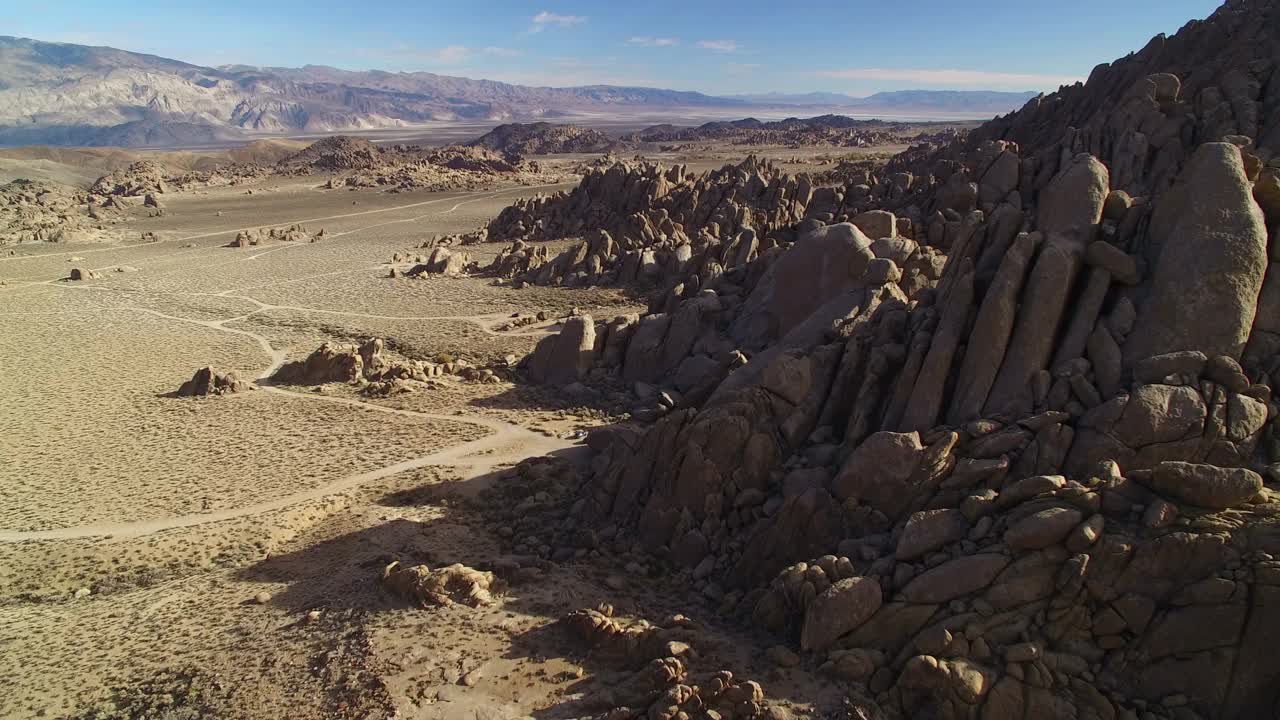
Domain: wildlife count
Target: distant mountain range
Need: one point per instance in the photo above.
(965, 101)
(64, 94)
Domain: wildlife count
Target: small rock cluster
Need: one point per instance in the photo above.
(444, 586)
(365, 366)
(658, 682)
(258, 236)
(208, 381)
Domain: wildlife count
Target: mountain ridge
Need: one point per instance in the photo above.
(67, 94)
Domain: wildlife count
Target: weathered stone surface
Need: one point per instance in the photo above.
(565, 357)
(1212, 243)
(821, 265)
(954, 579)
(1122, 266)
(1042, 529)
(927, 396)
(991, 330)
(1070, 210)
(879, 468)
(839, 610)
(1160, 414)
(929, 530)
(1205, 485)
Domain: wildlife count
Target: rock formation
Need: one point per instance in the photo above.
(208, 381)
(41, 211)
(258, 236)
(834, 130)
(354, 162)
(444, 586)
(1008, 452)
(364, 365)
(141, 178)
(543, 139)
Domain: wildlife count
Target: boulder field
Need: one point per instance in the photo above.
(991, 435)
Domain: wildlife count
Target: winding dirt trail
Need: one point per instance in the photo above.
(504, 443)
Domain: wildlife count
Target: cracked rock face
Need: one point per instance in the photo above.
(1027, 471)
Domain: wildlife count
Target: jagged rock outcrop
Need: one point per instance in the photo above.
(145, 177)
(640, 203)
(258, 236)
(444, 586)
(543, 138)
(442, 261)
(41, 211)
(355, 163)
(208, 381)
(565, 357)
(364, 365)
(1023, 462)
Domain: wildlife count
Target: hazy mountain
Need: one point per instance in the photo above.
(813, 98)
(985, 101)
(968, 102)
(63, 94)
(58, 93)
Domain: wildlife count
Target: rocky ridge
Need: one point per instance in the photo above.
(1039, 480)
(833, 130)
(39, 211)
(544, 138)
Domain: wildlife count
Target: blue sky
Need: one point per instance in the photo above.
(739, 46)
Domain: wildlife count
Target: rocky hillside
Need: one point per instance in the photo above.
(836, 130)
(63, 94)
(1010, 452)
(544, 139)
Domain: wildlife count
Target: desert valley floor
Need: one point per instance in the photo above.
(136, 528)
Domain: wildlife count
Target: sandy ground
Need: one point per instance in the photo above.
(137, 528)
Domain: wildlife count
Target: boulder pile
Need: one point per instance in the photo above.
(658, 679)
(145, 177)
(1032, 474)
(364, 365)
(358, 163)
(542, 138)
(208, 381)
(643, 202)
(444, 586)
(441, 261)
(258, 236)
(42, 211)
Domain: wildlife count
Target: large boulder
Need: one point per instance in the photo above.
(565, 357)
(1211, 240)
(1207, 486)
(822, 264)
(839, 610)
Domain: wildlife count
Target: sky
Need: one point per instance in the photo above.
(856, 47)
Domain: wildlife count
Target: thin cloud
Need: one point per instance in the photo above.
(449, 55)
(727, 46)
(950, 77)
(652, 41)
(546, 19)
